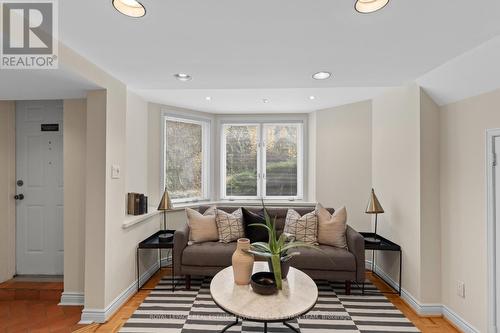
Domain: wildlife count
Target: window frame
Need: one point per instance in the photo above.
(261, 159)
(205, 144)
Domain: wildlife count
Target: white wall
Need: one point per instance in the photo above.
(430, 226)
(463, 203)
(396, 179)
(343, 160)
(137, 144)
(7, 190)
(75, 121)
(109, 249)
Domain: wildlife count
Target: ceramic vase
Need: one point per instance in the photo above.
(242, 262)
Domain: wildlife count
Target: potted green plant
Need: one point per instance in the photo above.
(277, 249)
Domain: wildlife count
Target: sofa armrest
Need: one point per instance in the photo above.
(181, 238)
(356, 244)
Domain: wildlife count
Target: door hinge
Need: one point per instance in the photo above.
(494, 160)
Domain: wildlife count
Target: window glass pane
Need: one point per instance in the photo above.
(184, 154)
(281, 160)
(241, 160)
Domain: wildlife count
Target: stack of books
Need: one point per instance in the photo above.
(137, 204)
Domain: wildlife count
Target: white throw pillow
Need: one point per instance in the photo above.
(230, 226)
(302, 228)
(202, 228)
(332, 228)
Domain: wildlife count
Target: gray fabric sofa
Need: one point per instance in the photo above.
(207, 259)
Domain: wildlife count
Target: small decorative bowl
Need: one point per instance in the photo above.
(263, 283)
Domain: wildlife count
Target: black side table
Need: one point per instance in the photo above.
(153, 243)
(383, 245)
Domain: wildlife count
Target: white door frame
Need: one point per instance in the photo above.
(492, 241)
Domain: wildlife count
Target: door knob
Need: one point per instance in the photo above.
(19, 197)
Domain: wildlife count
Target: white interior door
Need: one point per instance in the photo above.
(39, 173)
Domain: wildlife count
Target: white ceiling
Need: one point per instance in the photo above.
(288, 100)
(472, 73)
(240, 52)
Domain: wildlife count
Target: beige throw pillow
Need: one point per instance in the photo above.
(302, 228)
(202, 228)
(332, 228)
(230, 226)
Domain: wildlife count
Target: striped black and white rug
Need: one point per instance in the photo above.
(193, 311)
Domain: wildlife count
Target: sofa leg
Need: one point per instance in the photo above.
(347, 287)
(188, 282)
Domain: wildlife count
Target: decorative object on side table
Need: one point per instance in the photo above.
(165, 205)
(242, 262)
(277, 249)
(374, 207)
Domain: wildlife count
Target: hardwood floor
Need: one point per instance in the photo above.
(425, 324)
(27, 307)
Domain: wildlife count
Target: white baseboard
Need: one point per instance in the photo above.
(72, 299)
(102, 315)
(458, 321)
(425, 309)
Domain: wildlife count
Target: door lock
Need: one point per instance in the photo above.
(20, 182)
(19, 196)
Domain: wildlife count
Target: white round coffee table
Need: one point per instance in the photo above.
(298, 296)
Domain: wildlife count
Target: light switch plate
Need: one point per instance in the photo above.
(115, 171)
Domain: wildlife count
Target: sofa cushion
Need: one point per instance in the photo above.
(302, 228)
(213, 254)
(275, 213)
(332, 258)
(332, 227)
(202, 228)
(255, 234)
(230, 226)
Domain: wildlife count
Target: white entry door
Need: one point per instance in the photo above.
(39, 173)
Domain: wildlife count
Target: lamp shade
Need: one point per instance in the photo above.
(374, 206)
(165, 203)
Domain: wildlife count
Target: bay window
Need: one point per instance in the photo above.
(262, 160)
(186, 158)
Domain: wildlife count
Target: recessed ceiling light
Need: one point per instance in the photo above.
(370, 6)
(265, 101)
(321, 75)
(131, 8)
(208, 98)
(312, 97)
(182, 77)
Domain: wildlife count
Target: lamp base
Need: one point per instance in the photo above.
(372, 240)
(166, 238)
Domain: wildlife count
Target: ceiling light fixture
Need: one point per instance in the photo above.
(131, 8)
(183, 77)
(321, 75)
(265, 101)
(312, 97)
(370, 6)
(208, 98)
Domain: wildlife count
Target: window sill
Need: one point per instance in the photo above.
(239, 203)
(132, 220)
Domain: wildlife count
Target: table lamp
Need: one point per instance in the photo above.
(374, 207)
(165, 205)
